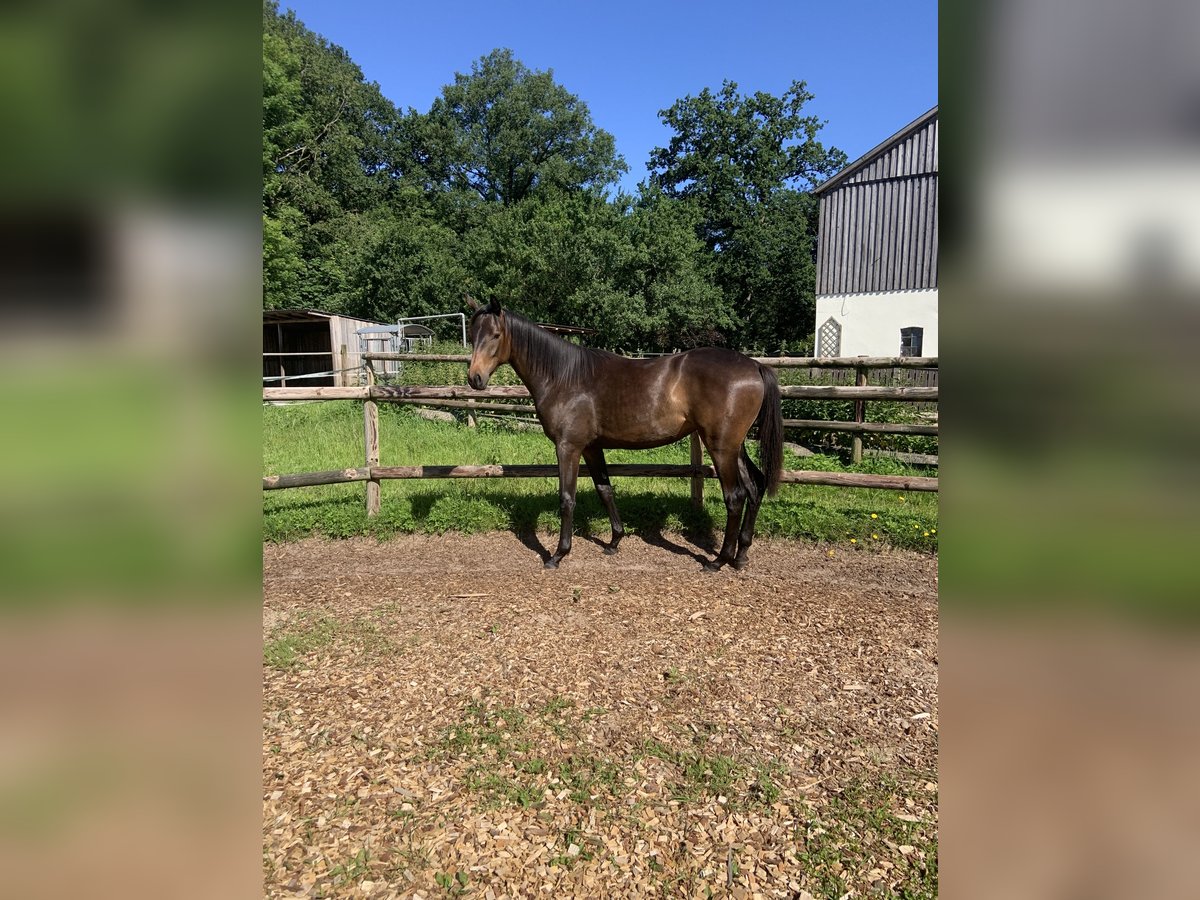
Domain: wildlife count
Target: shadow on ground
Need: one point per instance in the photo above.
(532, 518)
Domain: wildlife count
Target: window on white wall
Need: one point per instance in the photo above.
(910, 341)
(829, 338)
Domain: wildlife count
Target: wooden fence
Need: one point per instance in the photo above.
(463, 397)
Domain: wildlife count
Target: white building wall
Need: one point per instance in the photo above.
(871, 323)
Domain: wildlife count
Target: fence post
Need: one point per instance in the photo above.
(371, 443)
(470, 413)
(341, 376)
(697, 480)
(860, 410)
(279, 346)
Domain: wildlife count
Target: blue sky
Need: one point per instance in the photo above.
(872, 66)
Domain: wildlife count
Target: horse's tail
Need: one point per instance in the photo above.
(770, 430)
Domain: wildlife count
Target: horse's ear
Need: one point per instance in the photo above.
(471, 302)
(494, 307)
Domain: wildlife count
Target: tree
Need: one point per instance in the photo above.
(541, 254)
(327, 154)
(398, 260)
(672, 272)
(746, 164)
(731, 153)
(505, 131)
(768, 274)
(636, 273)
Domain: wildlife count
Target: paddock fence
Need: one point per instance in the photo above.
(513, 399)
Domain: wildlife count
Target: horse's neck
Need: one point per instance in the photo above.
(536, 378)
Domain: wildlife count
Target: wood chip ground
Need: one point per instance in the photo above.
(442, 717)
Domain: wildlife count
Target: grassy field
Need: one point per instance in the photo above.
(315, 436)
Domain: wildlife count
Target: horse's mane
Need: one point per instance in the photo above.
(547, 356)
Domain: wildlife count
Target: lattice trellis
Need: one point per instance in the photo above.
(829, 339)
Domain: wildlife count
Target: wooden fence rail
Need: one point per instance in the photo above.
(628, 470)
(454, 392)
(467, 398)
(783, 362)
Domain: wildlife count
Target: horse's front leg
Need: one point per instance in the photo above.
(568, 475)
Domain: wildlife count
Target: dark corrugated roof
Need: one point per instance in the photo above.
(876, 151)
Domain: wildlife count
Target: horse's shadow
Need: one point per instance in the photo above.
(647, 517)
(531, 540)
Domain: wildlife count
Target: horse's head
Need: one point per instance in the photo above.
(490, 344)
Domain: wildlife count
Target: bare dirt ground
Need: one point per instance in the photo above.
(442, 717)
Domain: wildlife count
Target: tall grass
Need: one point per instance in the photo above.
(309, 437)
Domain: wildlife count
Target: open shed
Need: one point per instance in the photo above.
(311, 348)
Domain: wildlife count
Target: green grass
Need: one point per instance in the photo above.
(328, 435)
(743, 781)
(857, 827)
(285, 648)
(866, 822)
(344, 874)
(854, 829)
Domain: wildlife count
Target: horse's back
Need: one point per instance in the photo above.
(721, 359)
(714, 371)
(650, 402)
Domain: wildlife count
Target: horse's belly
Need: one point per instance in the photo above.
(642, 435)
(645, 412)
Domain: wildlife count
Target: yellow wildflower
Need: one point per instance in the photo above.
(874, 516)
(854, 540)
(875, 537)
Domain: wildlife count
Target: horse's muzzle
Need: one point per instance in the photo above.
(476, 381)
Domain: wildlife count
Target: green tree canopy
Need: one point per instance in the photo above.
(639, 276)
(504, 131)
(328, 140)
(746, 163)
(731, 153)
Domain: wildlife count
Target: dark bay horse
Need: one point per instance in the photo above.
(592, 400)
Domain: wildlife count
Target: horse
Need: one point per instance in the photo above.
(589, 401)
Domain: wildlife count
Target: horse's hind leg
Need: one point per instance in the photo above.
(756, 487)
(726, 463)
(594, 457)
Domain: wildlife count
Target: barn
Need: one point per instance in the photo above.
(311, 348)
(877, 250)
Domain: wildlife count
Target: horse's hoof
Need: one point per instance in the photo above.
(713, 565)
(609, 550)
(740, 564)
(550, 564)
